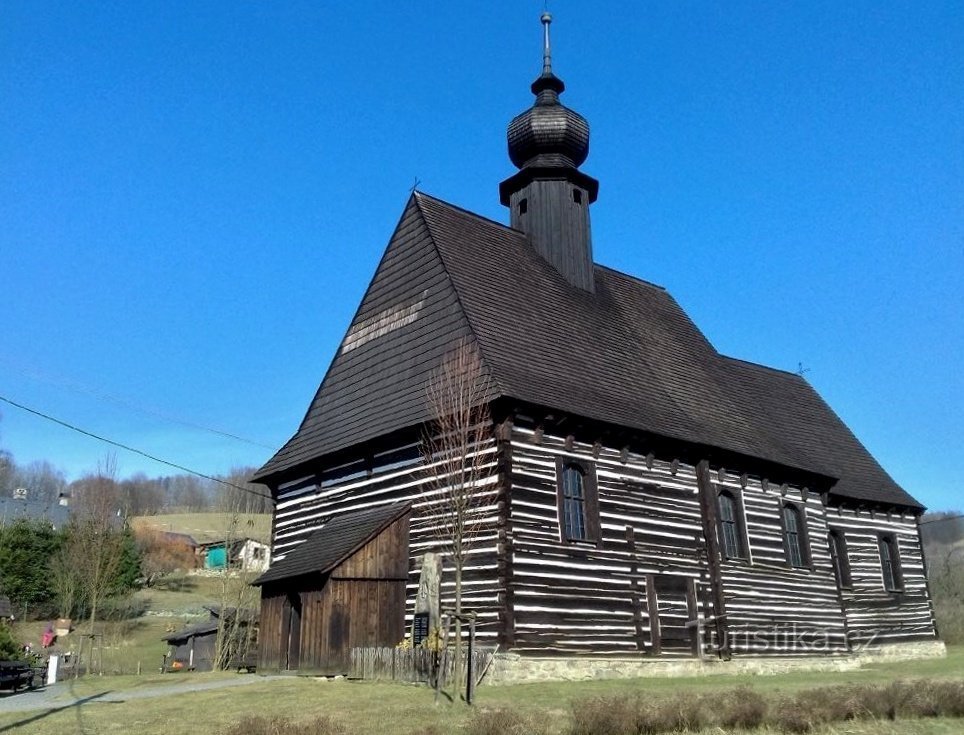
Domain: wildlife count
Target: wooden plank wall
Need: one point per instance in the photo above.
(347, 614)
(399, 476)
(362, 603)
(270, 654)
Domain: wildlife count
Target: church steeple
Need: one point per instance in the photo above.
(549, 197)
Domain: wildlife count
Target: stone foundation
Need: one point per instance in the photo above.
(511, 668)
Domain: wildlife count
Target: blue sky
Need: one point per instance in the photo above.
(193, 197)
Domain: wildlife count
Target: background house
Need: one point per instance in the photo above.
(22, 506)
(194, 647)
(244, 554)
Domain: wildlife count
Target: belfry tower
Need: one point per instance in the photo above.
(549, 196)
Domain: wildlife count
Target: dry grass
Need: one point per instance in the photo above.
(259, 725)
(808, 710)
(819, 703)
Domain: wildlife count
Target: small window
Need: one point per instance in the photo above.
(523, 206)
(578, 507)
(794, 536)
(890, 562)
(731, 527)
(577, 196)
(840, 558)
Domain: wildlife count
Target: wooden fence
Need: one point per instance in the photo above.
(414, 664)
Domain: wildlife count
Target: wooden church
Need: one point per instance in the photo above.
(644, 496)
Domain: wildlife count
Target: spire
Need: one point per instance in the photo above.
(546, 48)
(547, 81)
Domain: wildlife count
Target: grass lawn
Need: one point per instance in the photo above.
(382, 709)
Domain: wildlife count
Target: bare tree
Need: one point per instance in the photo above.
(65, 579)
(43, 481)
(95, 540)
(240, 503)
(457, 463)
(162, 555)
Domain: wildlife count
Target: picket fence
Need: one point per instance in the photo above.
(415, 664)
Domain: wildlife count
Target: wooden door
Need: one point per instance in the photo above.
(339, 637)
(672, 614)
(291, 631)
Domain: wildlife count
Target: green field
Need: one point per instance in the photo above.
(382, 708)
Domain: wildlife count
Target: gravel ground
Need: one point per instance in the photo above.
(58, 695)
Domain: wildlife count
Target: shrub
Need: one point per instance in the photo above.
(639, 716)
(604, 716)
(950, 695)
(9, 650)
(790, 715)
(744, 708)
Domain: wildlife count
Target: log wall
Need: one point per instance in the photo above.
(576, 598)
(646, 582)
(396, 476)
(874, 615)
(597, 598)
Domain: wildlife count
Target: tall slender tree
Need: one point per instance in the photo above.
(457, 458)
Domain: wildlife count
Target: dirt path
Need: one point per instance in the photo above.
(59, 695)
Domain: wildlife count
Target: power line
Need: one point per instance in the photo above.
(945, 518)
(126, 447)
(76, 386)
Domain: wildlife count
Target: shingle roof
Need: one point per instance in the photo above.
(203, 628)
(334, 542)
(800, 419)
(12, 509)
(626, 354)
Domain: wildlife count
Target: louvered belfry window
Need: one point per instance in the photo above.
(729, 524)
(793, 535)
(574, 502)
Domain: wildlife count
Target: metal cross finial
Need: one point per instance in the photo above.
(546, 53)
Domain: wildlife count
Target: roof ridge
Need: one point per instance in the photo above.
(750, 363)
(630, 276)
(475, 215)
(493, 379)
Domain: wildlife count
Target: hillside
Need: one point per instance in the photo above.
(208, 527)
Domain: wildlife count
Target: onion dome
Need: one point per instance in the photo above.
(548, 134)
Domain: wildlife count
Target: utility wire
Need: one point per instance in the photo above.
(73, 385)
(176, 466)
(142, 453)
(945, 518)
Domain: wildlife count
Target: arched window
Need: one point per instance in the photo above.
(574, 502)
(890, 562)
(731, 528)
(794, 536)
(577, 500)
(838, 555)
